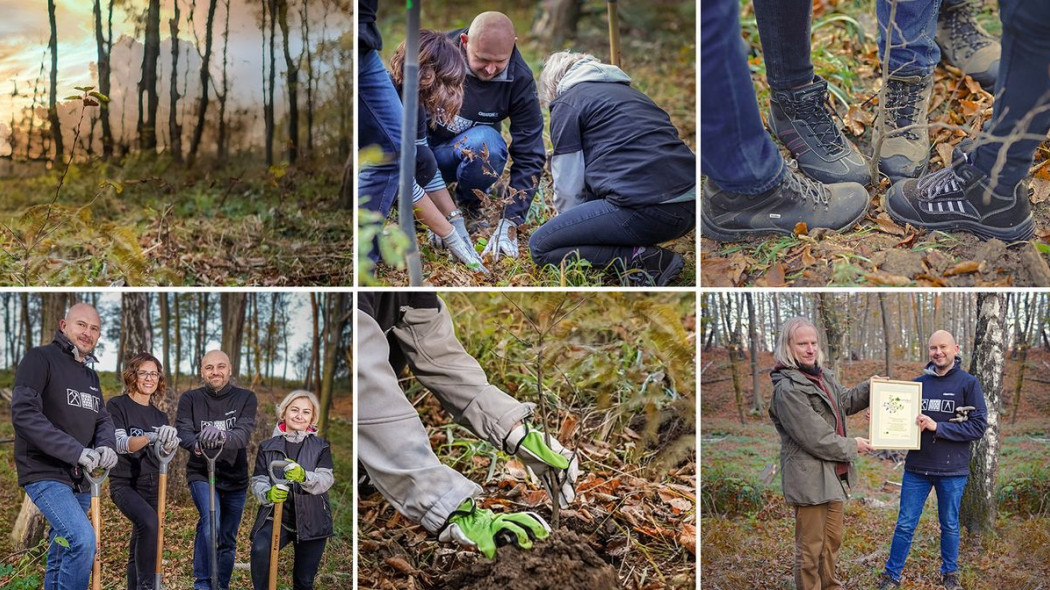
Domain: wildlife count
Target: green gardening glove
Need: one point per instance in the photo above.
(483, 529)
(555, 461)
(276, 495)
(294, 472)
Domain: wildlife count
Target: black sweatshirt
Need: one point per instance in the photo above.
(57, 411)
(511, 95)
(232, 410)
(368, 36)
(135, 419)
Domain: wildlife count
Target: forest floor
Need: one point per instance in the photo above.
(658, 50)
(636, 496)
(879, 252)
(181, 517)
(149, 221)
(747, 530)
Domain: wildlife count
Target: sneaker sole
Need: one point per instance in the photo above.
(1021, 233)
(732, 235)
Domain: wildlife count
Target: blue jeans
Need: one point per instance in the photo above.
(915, 488)
(913, 50)
(738, 154)
(229, 506)
(1023, 85)
(379, 124)
(602, 233)
(68, 568)
(784, 30)
(461, 161)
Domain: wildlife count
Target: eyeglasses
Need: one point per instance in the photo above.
(148, 374)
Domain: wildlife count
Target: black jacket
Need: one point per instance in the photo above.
(57, 411)
(313, 514)
(512, 95)
(231, 409)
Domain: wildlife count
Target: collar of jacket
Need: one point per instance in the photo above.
(225, 389)
(67, 346)
(931, 369)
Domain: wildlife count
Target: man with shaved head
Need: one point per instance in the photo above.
(953, 415)
(62, 429)
(217, 415)
(471, 151)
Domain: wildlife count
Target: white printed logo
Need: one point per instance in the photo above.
(82, 400)
(226, 424)
(938, 405)
(135, 431)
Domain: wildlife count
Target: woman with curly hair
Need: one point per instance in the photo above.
(133, 482)
(442, 71)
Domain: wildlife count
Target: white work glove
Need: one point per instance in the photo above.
(529, 446)
(168, 437)
(503, 241)
(88, 459)
(456, 219)
(464, 252)
(107, 457)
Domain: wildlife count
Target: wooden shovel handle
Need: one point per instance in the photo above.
(96, 522)
(275, 543)
(162, 491)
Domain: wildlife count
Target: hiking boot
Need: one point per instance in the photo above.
(951, 582)
(887, 583)
(802, 120)
(960, 197)
(967, 46)
(653, 266)
(906, 153)
(727, 217)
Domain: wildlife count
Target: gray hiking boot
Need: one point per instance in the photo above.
(967, 46)
(951, 582)
(802, 120)
(887, 583)
(728, 217)
(906, 149)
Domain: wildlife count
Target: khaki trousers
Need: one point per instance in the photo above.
(818, 536)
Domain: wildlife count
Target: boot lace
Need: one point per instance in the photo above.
(941, 182)
(805, 187)
(902, 105)
(814, 109)
(963, 31)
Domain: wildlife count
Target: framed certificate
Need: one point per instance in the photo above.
(894, 407)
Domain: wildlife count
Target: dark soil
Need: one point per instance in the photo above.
(564, 561)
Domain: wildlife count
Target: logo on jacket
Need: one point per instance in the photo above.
(226, 424)
(938, 405)
(82, 400)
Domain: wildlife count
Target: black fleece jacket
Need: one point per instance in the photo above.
(57, 411)
(231, 409)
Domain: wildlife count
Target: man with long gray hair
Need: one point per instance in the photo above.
(809, 409)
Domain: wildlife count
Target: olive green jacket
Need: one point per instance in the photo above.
(809, 445)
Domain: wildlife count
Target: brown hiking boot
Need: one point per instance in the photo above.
(967, 46)
(906, 149)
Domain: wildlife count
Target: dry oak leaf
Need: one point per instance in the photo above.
(774, 277)
(965, 267)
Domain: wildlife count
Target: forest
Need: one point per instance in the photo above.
(877, 251)
(616, 375)
(657, 50)
(177, 142)
(747, 529)
(277, 342)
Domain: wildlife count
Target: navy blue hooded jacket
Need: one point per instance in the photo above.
(946, 452)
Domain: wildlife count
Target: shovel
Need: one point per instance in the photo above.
(275, 536)
(96, 522)
(214, 556)
(162, 491)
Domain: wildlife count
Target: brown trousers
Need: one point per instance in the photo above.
(818, 536)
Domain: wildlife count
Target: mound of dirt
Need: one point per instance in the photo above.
(563, 561)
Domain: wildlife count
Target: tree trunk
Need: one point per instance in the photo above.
(558, 22)
(232, 309)
(346, 190)
(165, 334)
(174, 129)
(55, 305)
(831, 321)
(27, 323)
(315, 357)
(223, 140)
(52, 100)
(269, 78)
(733, 347)
(103, 79)
(1023, 343)
(135, 325)
(292, 73)
(202, 112)
(311, 76)
(175, 368)
(752, 332)
(29, 526)
(147, 124)
(335, 347)
(977, 513)
(886, 344)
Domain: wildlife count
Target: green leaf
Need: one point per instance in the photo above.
(62, 541)
(73, 97)
(100, 96)
(1042, 247)
(84, 88)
